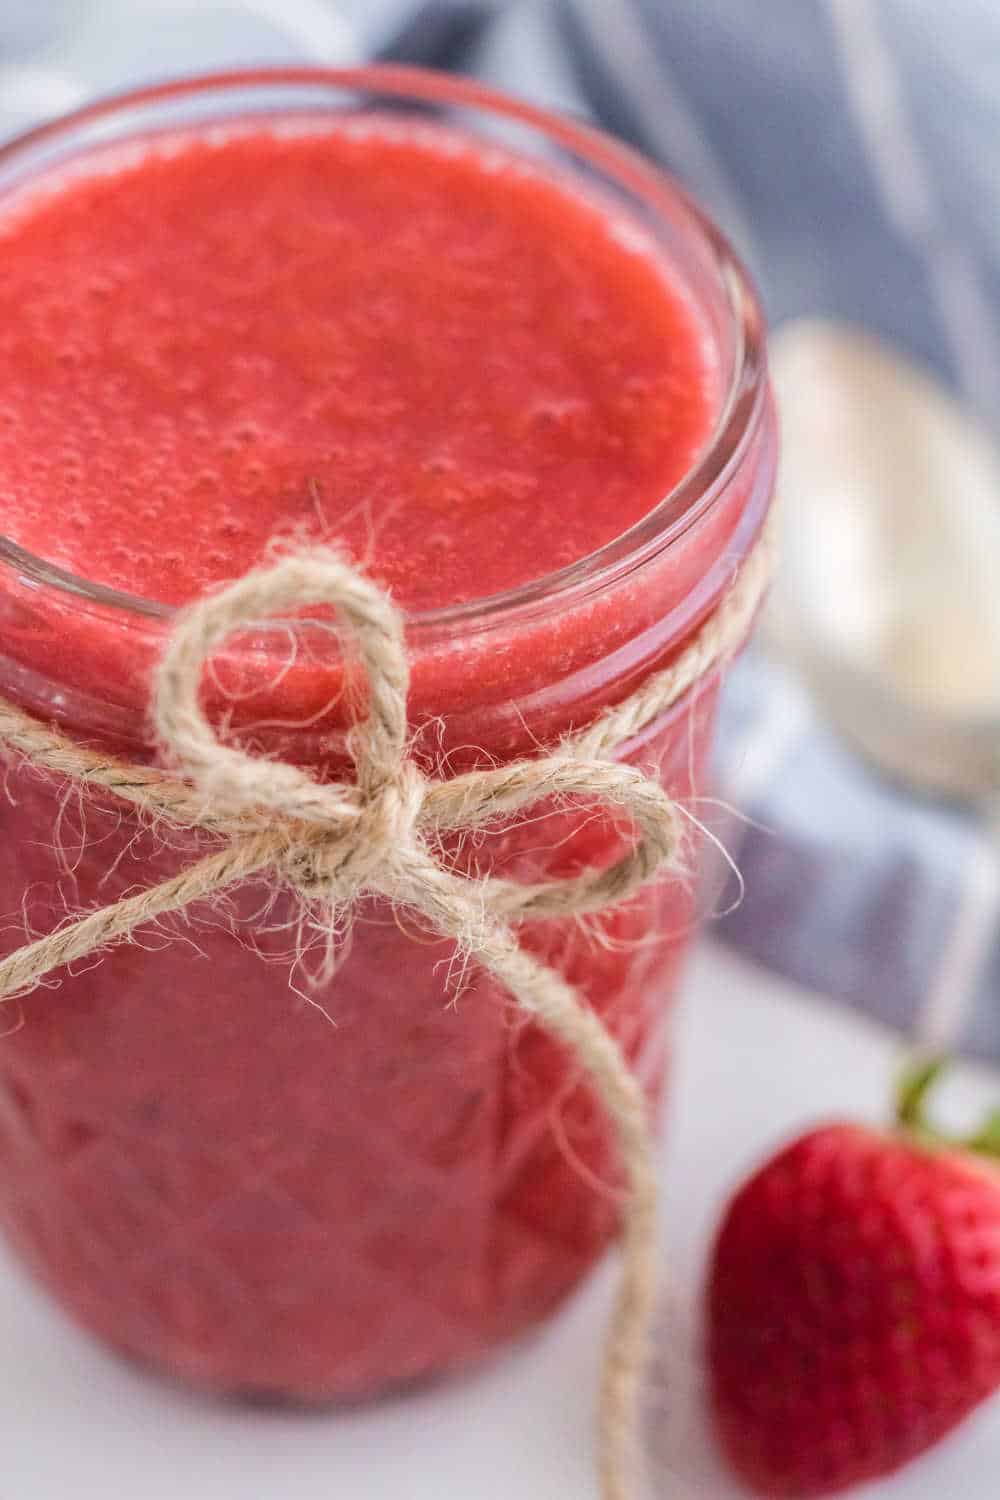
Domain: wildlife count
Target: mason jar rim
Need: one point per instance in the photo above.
(741, 407)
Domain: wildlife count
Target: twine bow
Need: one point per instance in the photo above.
(377, 835)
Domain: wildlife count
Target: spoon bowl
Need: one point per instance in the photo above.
(888, 600)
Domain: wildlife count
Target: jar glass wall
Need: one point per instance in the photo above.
(257, 1183)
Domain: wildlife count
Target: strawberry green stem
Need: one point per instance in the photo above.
(915, 1087)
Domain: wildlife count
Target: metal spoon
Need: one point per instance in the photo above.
(888, 601)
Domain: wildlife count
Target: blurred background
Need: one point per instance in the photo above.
(851, 149)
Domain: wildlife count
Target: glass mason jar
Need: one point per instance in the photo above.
(201, 1167)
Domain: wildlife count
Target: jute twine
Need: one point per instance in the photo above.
(333, 843)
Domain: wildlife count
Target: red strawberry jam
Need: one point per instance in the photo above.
(469, 375)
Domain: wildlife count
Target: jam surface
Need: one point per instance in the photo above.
(463, 372)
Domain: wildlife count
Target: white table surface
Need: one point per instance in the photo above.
(756, 1061)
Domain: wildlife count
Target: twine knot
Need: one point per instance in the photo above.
(335, 866)
(333, 841)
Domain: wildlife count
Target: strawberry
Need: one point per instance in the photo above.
(854, 1301)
